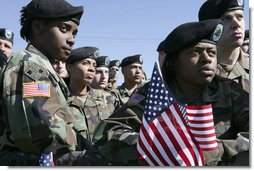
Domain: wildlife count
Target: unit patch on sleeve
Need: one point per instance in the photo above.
(136, 98)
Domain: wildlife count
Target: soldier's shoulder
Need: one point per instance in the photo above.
(143, 88)
(19, 57)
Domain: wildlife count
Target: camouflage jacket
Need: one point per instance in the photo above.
(35, 116)
(118, 134)
(239, 73)
(122, 94)
(98, 106)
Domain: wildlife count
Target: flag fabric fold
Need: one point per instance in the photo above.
(165, 139)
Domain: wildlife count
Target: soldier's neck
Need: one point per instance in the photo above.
(130, 86)
(228, 57)
(78, 89)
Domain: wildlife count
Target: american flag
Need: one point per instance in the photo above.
(46, 159)
(34, 89)
(201, 124)
(165, 139)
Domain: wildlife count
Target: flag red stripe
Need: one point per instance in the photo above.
(200, 121)
(208, 142)
(199, 107)
(199, 114)
(143, 147)
(204, 135)
(202, 129)
(153, 145)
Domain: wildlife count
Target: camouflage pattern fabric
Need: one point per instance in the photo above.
(122, 94)
(80, 123)
(31, 124)
(239, 72)
(230, 102)
(106, 102)
(98, 106)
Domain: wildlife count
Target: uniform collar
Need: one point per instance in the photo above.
(209, 93)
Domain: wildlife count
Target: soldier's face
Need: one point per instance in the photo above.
(132, 73)
(82, 72)
(100, 80)
(6, 47)
(114, 71)
(196, 65)
(234, 28)
(60, 68)
(55, 38)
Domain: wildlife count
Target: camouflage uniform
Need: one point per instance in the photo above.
(239, 73)
(31, 125)
(230, 103)
(98, 106)
(122, 94)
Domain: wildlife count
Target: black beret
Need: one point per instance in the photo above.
(82, 53)
(246, 34)
(190, 33)
(214, 9)
(114, 63)
(131, 59)
(160, 47)
(102, 61)
(53, 9)
(6, 34)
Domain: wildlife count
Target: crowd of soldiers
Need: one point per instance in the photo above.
(64, 101)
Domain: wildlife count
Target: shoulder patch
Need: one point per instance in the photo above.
(35, 72)
(35, 89)
(136, 98)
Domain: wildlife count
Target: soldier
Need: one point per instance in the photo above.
(35, 117)
(60, 68)
(233, 62)
(106, 102)
(88, 105)
(6, 41)
(113, 74)
(132, 72)
(189, 71)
